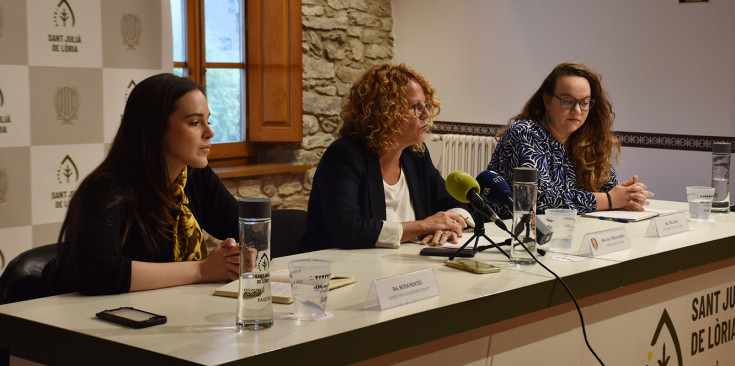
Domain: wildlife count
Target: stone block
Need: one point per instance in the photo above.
(249, 188)
(314, 68)
(312, 10)
(354, 49)
(334, 52)
(348, 74)
(314, 103)
(317, 140)
(309, 156)
(311, 45)
(373, 36)
(326, 23)
(289, 188)
(310, 124)
(365, 20)
(378, 51)
(330, 124)
(326, 90)
(348, 4)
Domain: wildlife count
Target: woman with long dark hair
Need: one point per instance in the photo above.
(565, 132)
(135, 222)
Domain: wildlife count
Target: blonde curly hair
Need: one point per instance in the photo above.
(376, 106)
(593, 147)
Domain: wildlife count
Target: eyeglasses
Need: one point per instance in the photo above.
(569, 102)
(420, 107)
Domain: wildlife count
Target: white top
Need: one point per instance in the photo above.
(398, 205)
(398, 209)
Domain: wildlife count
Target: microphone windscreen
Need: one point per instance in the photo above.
(459, 184)
(493, 188)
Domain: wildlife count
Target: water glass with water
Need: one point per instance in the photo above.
(700, 202)
(310, 287)
(562, 222)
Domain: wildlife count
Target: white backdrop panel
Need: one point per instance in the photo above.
(14, 241)
(56, 172)
(64, 33)
(15, 106)
(117, 85)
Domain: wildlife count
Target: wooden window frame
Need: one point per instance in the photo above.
(274, 78)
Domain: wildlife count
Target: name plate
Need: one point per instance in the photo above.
(402, 289)
(604, 242)
(667, 225)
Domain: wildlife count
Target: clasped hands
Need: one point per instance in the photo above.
(630, 195)
(447, 226)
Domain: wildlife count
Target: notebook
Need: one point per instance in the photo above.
(281, 286)
(628, 216)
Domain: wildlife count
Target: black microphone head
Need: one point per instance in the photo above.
(493, 188)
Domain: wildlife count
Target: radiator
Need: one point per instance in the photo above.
(464, 152)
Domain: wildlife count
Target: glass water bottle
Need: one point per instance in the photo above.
(254, 304)
(721, 176)
(524, 215)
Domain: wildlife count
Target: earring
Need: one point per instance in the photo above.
(547, 119)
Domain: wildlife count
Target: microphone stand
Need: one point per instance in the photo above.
(479, 232)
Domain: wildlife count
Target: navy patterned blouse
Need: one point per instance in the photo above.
(528, 144)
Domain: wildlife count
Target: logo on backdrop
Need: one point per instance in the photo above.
(67, 105)
(4, 118)
(131, 85)
(66, 173)
(128, 90)
(130, 27)
(64, 15)
(64, 18)
(67, 169)
(3, 186)
(665, 324)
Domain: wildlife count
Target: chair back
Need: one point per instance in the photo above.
(23, 277)
(287, 228)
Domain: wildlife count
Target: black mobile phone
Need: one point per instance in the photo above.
(447, 252)
(131, 317)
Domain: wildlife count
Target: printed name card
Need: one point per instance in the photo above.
(402, 289)
(604, 242)
(667, 225)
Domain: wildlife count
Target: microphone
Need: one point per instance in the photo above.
(494, 189)
(464, 188)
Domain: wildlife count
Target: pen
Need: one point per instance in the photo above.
(614, 219)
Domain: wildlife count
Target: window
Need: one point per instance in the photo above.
(247, 53)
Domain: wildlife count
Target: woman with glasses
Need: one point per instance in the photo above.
(564, 131)
(376, 186)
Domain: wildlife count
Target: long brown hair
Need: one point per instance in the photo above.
(593, 147)
(133, 174)
(376, 106)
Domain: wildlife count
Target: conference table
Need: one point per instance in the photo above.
(516, 316)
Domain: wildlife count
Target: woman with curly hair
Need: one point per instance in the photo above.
(564, 131)
(376, 186)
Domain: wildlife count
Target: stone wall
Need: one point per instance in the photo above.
(340, 39)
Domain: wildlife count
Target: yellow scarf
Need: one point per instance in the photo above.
(187, 233)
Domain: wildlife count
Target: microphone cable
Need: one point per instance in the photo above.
(574, 299)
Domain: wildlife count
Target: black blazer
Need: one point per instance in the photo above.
(347, 202)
